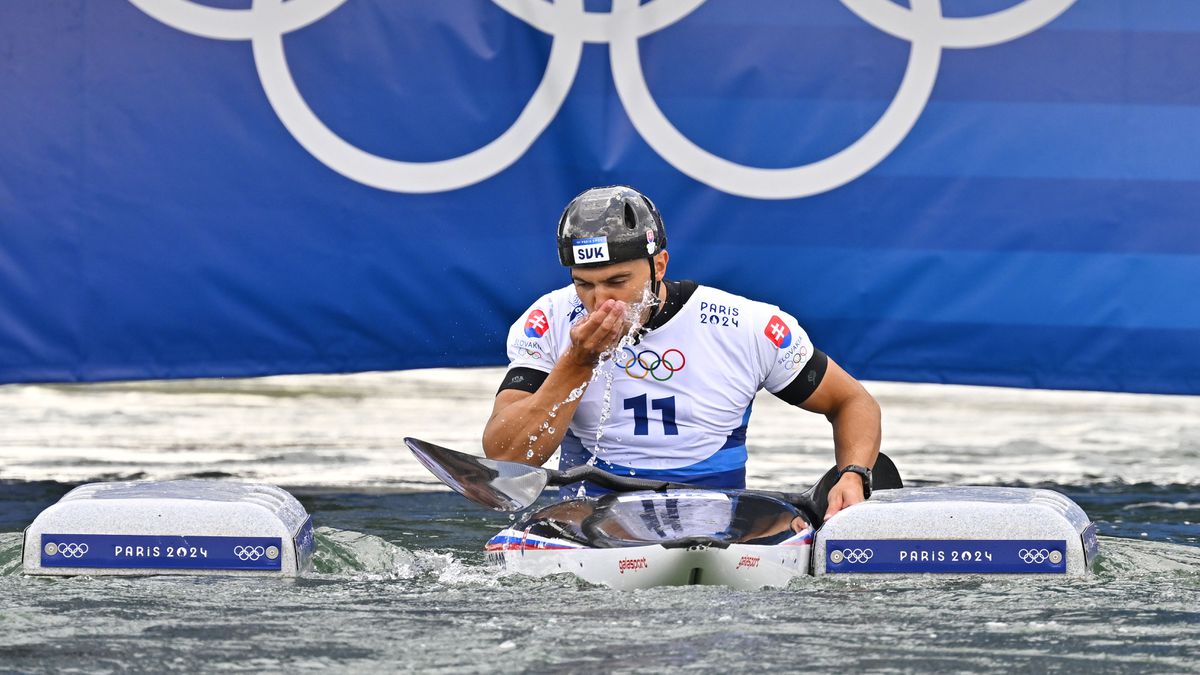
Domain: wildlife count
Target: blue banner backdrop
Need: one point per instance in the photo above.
(976, 191)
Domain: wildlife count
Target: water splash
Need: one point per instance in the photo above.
(364, 556)
(606, 369)
(10, 553)
(574, 395)
(633, 320)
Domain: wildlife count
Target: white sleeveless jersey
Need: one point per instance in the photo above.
(679, 403)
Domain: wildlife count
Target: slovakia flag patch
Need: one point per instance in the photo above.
(536, 325)
(777, 332)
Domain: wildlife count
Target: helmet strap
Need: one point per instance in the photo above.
(655, 285)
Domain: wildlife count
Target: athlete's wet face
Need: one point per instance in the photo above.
(622, 281)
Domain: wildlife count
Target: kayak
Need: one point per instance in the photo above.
(671, 538)
(655, 533)
(745, 541)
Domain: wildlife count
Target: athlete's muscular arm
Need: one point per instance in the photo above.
(855, 417)
(518, 415)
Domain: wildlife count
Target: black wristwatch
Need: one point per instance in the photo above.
(863, 472)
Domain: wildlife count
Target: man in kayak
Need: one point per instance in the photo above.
(653, 378)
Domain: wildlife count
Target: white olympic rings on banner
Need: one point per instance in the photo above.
(236, 24)
(1033, 556)
(571, 25)
(249, 552)
(72, 550)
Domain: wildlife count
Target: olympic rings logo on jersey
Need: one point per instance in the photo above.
(797, 357)
(648, 362)
(570, 24)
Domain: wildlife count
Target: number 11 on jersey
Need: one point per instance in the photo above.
(641, 420)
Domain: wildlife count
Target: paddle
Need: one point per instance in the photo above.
(512, 486)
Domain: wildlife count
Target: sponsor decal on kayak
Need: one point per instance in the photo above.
(748, 561)
(631, 564)
(778, 333)
(536, 324)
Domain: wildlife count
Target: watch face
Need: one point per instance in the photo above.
(863, 473)
(860, 470)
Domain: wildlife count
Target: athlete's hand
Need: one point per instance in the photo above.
(597, 333)
(846, 492)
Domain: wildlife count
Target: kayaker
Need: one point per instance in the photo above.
(684, 360)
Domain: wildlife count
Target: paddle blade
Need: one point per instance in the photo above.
(503, 486)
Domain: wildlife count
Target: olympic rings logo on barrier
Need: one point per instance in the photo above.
(638, 366)
(922, 24)
(858, 555)
(72, 550)
(249, 553)
(1033, 556)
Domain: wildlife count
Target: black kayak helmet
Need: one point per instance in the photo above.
(606, 225)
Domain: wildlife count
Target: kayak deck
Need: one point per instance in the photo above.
(742, 540)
